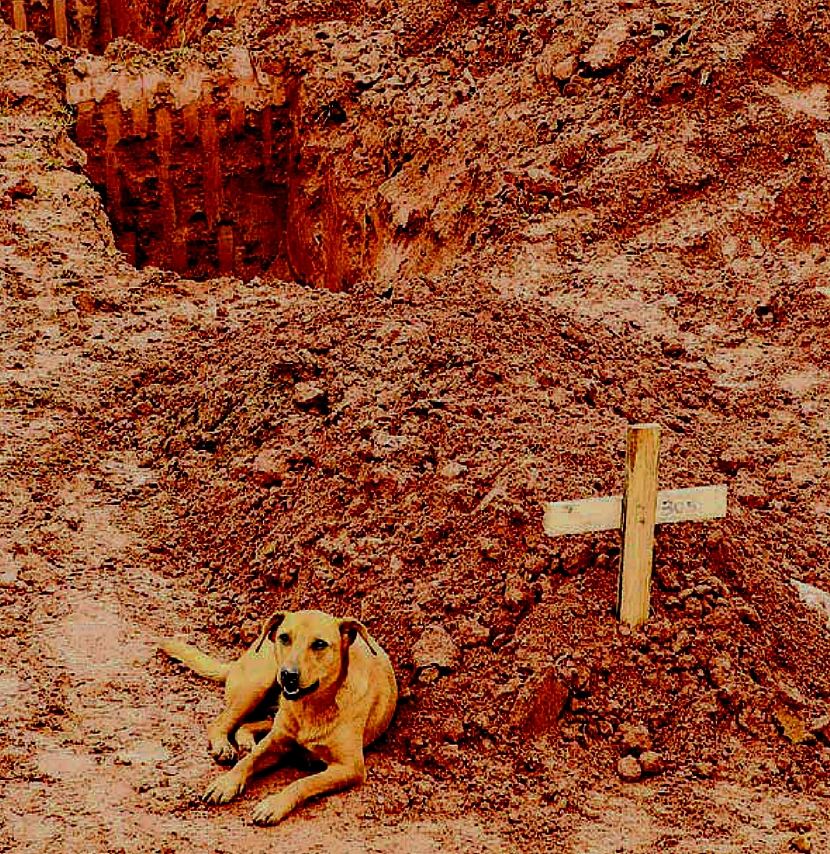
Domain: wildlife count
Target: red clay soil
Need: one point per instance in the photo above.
(491, 236)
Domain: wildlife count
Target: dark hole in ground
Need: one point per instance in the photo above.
(93, 24)
(192, 167)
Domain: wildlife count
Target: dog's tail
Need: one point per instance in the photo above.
(196, 660)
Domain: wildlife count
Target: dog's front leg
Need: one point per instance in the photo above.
(246, 736)
(267, 753)
(348, 771)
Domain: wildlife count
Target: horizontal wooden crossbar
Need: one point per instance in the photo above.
(695, 503)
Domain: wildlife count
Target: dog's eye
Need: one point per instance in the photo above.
(285, 639)
(318, 644)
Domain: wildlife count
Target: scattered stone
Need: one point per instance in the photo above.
(736, 456)
(603, 55)
(434, 653)
(813, 597)
(802, 842)
(540, 703)
(22, 189)
(651, 762)
(542, 182)
(750, 492)
(471, 633)
(310, 396)
(821, 727)
(269, 468)
(629, 769)
(635, 738)
(793, 727)
(452, 729)
(576, 558)
(451, 470)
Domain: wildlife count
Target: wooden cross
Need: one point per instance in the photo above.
(636, 512)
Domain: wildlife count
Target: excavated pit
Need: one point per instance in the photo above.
(93, 24)
(191, 165)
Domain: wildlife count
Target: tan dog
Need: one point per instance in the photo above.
(338, 695)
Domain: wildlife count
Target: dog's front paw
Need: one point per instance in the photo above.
(271, 810)
(245, 740)
(224, 788)
(223, 751)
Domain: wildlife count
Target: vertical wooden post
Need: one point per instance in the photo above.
(19, 15)
(638, 518)
(61, 30)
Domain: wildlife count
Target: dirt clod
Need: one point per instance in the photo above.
(435, 650)
(540, 703)
(635, 738)
(629, 769)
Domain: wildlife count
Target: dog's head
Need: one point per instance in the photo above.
(312, 649)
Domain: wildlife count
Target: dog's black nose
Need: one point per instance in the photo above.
(290, 679)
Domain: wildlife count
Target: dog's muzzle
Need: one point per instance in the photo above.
(290, 684)
(298, 693)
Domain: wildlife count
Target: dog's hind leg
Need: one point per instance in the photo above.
(247, 685)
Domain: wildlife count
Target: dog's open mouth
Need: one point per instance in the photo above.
(299, 693)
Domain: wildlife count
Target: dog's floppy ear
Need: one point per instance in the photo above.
(350, 629)
(269, 626)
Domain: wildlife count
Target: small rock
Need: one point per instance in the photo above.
(249, 631)
(793, 727)
(53, 44)
(434, 651)
(704, 770)
(635, 738)
(540, 703)
(629, 769)
(813, 597)
(801, 842)
(821, 727)
(672, 347)
(557, 62)
(269, 468)
(603, 54)
(447, 756)
(517, 593)
(451, 470)
(651, 762)
(471, 633)
(22, 189)
(563, 70)
(452, 729)
(310, 396)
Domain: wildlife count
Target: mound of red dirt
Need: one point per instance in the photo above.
(386, 456)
